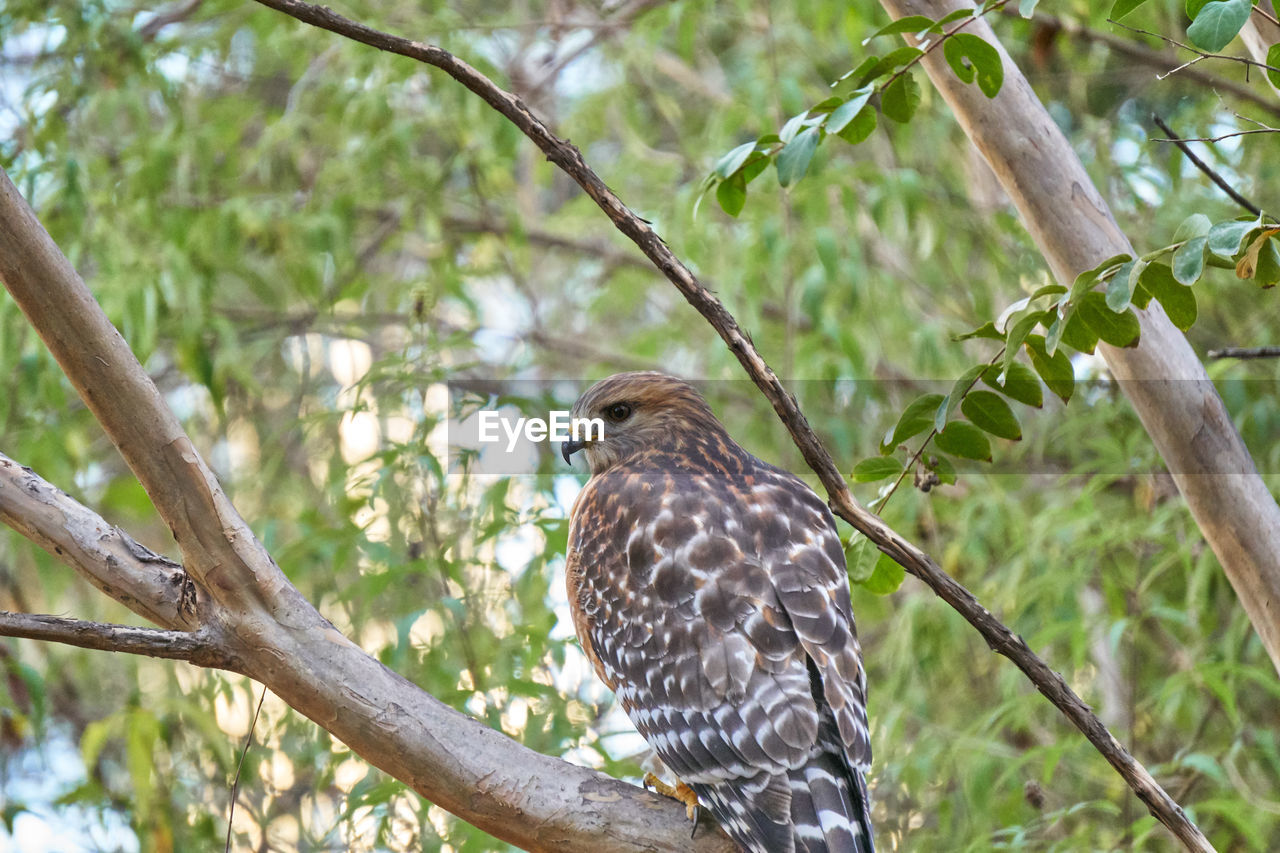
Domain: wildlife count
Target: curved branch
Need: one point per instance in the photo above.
(150, 585)
(530, 799)
(997, 635)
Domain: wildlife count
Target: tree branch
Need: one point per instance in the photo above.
(531, 800)
(1204, 167)
(196, 647)
(1245, 352)
(1151, 58)
(150, 585)
(997, 635)
(1200, 54)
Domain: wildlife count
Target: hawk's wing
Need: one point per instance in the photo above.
(721, 619)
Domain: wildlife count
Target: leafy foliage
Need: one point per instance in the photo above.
(305, 241)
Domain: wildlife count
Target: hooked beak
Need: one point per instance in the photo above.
(571, 447)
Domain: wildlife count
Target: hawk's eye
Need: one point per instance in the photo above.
(618, 412)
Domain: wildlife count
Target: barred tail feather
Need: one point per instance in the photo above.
(820, 807)
(754, 812)
(829, 808)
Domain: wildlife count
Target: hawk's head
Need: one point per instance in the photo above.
(640, 411)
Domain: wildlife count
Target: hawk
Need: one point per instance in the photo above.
(708, 589)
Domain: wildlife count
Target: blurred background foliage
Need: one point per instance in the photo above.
(304, 239)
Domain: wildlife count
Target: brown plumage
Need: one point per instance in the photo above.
(708, 589)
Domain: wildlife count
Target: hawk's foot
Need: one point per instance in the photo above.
(681, 792)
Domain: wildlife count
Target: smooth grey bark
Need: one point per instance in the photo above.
(1162, 377)
(248, 612)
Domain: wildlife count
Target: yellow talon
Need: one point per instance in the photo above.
(681, 792)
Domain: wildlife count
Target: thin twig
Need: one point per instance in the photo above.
(1204, 167)
(1263, 13)
(620, 19)
(1218, 138)
(1151, 58)
(1200, 53)
(997, 635)
(1245, 352)
(197, 647)
(170, 15)
(235, 782)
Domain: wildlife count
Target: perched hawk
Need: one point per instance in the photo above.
(708, 589)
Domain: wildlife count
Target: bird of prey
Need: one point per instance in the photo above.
(708, 590)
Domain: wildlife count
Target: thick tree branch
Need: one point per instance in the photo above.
(195, 647)
(150, 585)
(1163, 378)
(997, 635)
(528, 799)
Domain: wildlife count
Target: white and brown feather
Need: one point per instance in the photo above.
(709, 591)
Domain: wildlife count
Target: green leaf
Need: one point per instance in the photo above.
(1266, 268)
(970, 56)
(1087, 279)
(732, 195)
(860, 127)
(1078, 335)
(952, 400)
(792, 127)
(900, 99)
(754, 167)
(1121, 285)
(1120, 329)
(1124, 7)
(1141, 296)
(886, 577)
(1267, 272)
(1062, 326)
(951, 16)
(908, 24)
(989, 412)
(1225, 238)
(859, 70)
(1218, 23)
(733, 161)
(986, 330)
(915, 419)
(1179, 302)
(1020, 383)
(964, 440)
(793, 162)
(1055, 370)
(860, 557)
(1195, 225)
(95, 737)
(1188, 260)
(890, 61)
(1018, 333)
(1273, 60)
(1047, 290)
(141, 732)
(876, 468)
(846, 112)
